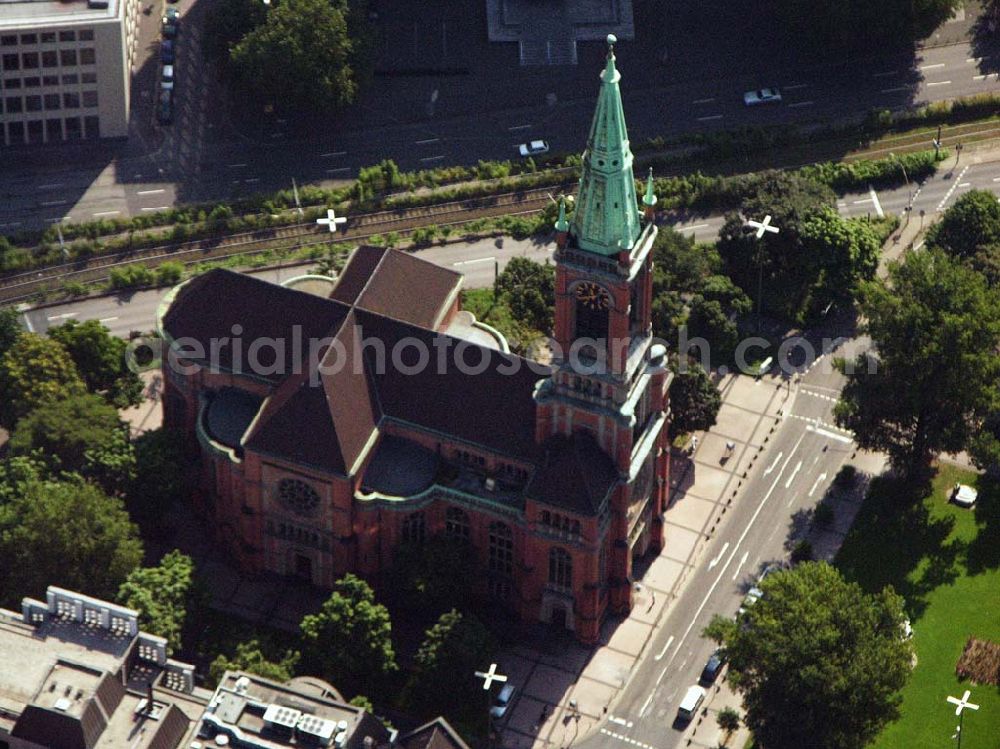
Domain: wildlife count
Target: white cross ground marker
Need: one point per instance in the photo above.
(963, 703)
(491, 676)
(763, 226)
(331, 220)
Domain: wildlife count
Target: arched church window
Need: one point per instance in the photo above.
(501, 560)
(298, 496)
(560, 568)
(456, 524)
(414, 529)
(593, 304)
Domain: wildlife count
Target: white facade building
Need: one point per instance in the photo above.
(65, 69)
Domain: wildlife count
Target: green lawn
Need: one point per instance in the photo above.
(945, 561)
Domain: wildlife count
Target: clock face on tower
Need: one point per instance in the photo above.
(593, 296)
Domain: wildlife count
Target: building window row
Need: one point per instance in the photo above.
(555, 521)
(47, 37)
(456, 524)
(299, 535)
(34, 102)
(49, 59)
(470, 459)
(560, 568)
(414, 528)
(67, 79)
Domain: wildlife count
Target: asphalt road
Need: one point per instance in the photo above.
(92, 182)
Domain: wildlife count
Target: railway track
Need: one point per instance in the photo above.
(20, 286)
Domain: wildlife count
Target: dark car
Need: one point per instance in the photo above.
(712, 668)
(165, 108)
(167, 52)
(503, 700)
(169, 29)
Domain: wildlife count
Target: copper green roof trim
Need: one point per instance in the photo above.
(650, 197)
(607, 219)
(561, 223)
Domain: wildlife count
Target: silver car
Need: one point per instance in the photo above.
(534, 148)
(762, 96)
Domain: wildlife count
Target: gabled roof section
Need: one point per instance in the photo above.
(607, 219)
(397, 285)
(575, 474)
(208, 307)
(436, 734)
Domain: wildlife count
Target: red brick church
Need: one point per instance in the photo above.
(334, 423)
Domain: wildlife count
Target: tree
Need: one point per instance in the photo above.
(728, 720)
(423, 579)
(971, 223)
(528, 288)
(101, 361)
(80, 434)
(681, 264)
(299, 57)
(350, 639)
(818, 661)
(10, 328)
(444, 667)
(35, 370)
(846, 251)
(707, 319)
(694, 401)
(67, 533)
(161, 476)
(161, 595)
(250, 657)
(933, 376)
(227, 22)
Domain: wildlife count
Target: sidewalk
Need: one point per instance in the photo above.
(556, 672)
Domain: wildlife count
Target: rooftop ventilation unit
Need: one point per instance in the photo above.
(97, 4)
(242, 685)
(320, 729)
(283, 717)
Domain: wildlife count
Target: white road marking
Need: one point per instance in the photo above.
(718, 559)
(980, 77)
(743, 560)
(52, 186)
(236, 166)
(519, 127)
(710, 117)
(948, 194)
(939, 83)
(107, 213)
(895, 90)
(433, 158)
(931, 67)
(796, 86)
(108, 319)
(332, 154)
(151, 192)
(801, 104)
(477, 260)
(627, 740)
(13, 223)
(619, 721)
(791, 478)
(886, 74)
(709, 100)
(63, 316)
(252, 180)
(774, 464)
(48, 203)
(827, 433)
(427, 141)
(158, 208)
(742, 537)
(996, 179)
(660, 677)
(819, 480)
(339, 170)
(878, 206)
(965, 184)
(665, 649)
(691, 228)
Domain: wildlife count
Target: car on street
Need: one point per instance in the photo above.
(168, 72)
(503, 701)
(165, 108)
(762, 96)
(169, 28)
(533, 148)
(693, 698)
(172, 15)
(167, 52)
(712, 668)
(750, 599)
(964, 495)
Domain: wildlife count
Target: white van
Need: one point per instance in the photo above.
(689, 705)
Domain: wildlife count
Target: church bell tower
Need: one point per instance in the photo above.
(610, 382)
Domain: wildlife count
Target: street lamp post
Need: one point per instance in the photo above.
(909, 187)
(761, 227)
(961, 705)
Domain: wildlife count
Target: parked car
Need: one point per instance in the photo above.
(533, 148)
(165, 108)
(172, 15)
(167, 52)
(712, 668)
(503, 701)
(964, 495)
(762, 96)
(693, 698)
(753, 595)
(168, 72)
(170, 28)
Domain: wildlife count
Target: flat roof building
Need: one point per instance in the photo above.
(65, 69)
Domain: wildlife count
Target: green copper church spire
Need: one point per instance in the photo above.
(607, 218)
(649, 199)
(561, 223)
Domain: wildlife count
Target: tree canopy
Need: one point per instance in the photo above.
(350, 639)
(67, 533)
(971, 223)
(161, 476)
(161, 595)
(819, 662)
(694, 401)
(100, 360)
(423, 580)
(300, 57)
(80, 434)
(932, 378)
(250, 657)
(528, 288)
(33, 371)
(10, 328)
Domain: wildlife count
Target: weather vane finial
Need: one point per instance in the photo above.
(612, 40)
